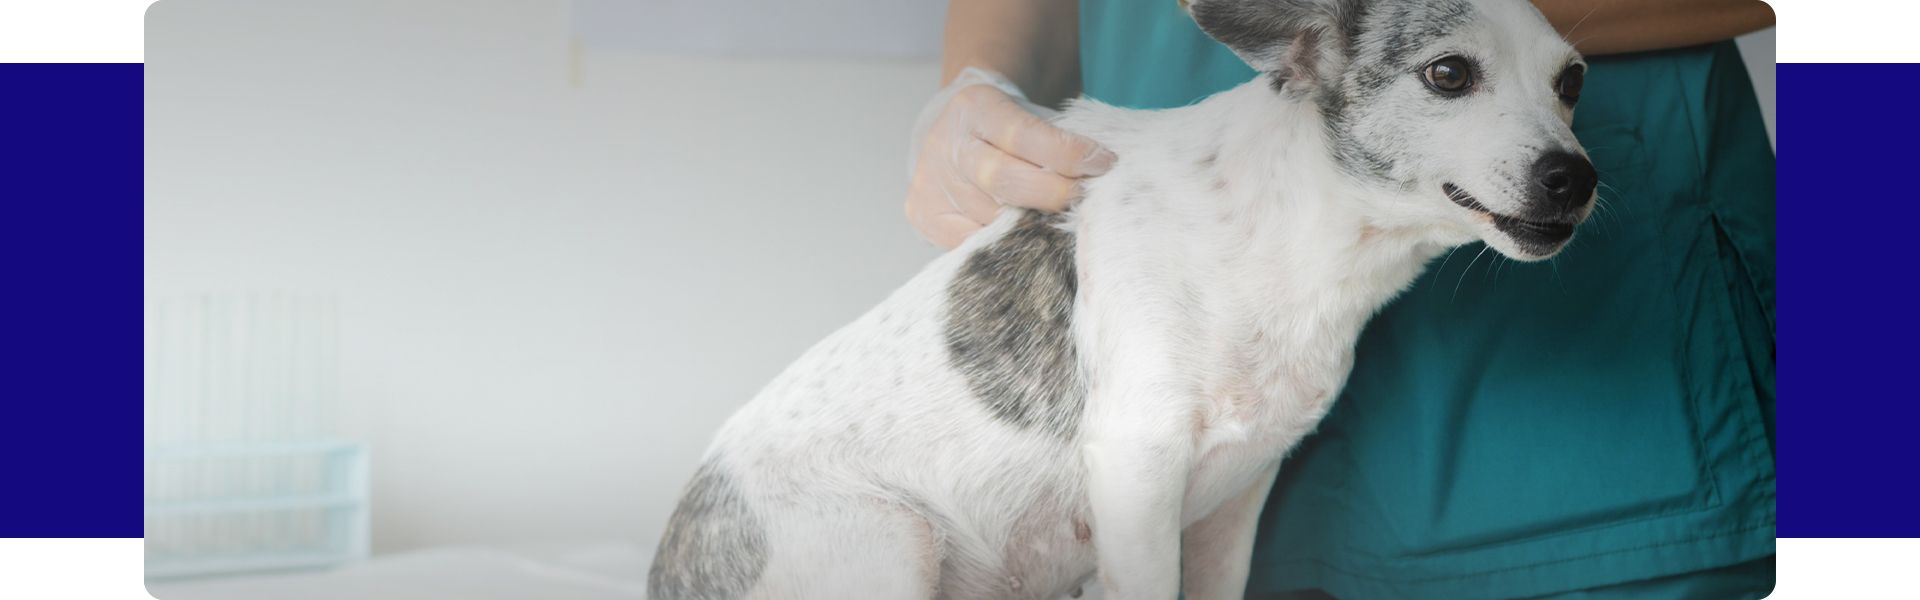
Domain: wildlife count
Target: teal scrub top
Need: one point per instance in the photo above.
(1517, 430)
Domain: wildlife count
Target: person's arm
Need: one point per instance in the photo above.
(1597, 27)
(984, 150)
(1035, 43)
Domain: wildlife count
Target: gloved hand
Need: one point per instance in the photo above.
(980, 145)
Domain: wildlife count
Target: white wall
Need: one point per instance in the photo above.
(551, 293)
(897, 29)
(559, 265)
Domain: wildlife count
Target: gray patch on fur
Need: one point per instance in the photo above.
(1009, 328)
(1207, 163)
(1412, 26)
(715, 546)
(1387, 39)
(1369, 41)
(1285, 39)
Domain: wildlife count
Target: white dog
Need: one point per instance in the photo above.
(1111, 391)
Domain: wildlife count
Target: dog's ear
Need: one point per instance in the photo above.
(1294, 41)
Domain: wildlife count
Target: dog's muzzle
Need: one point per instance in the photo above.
(1539, 226)
(1563, 184)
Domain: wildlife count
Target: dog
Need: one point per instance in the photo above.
(1110, 391)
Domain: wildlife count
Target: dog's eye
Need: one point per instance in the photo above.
(1450, 75)
(1570, 82)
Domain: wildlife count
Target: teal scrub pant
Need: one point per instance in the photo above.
(1743, 581)
(1601, 426)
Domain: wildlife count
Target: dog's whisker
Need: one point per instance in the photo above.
(1611, 212)
(1493, 267)
(1603, 212)
(1463, 273)
(1577, 24)
(1443, 265)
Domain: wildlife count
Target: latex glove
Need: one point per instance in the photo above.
(980, 145)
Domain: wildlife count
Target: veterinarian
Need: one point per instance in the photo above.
(1601, 427)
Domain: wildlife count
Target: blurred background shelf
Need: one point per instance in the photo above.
(231, 508)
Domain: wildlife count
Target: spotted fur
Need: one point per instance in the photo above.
(1107, 394)
(715, 546)
(1009, 327)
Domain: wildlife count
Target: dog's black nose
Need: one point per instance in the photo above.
(1566, 179)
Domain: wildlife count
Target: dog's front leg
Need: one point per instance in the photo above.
(1215, 550)
(1138, 454)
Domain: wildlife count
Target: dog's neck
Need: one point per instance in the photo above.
(1308, 257)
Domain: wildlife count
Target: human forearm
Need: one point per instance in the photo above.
(1614, 26)
(1035, 43)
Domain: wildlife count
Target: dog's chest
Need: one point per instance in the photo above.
(1255, 413)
